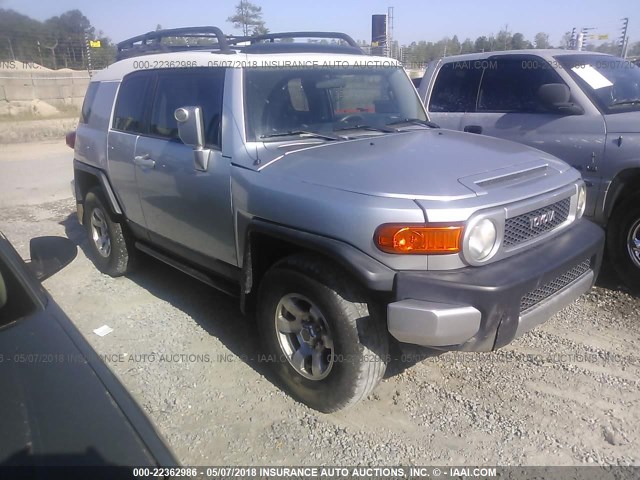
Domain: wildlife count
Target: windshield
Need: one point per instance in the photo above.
(322, 101)
(613, 83)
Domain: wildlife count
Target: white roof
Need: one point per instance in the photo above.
(205, 58)
(547, 53)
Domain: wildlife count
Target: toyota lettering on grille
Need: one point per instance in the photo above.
(542, 219)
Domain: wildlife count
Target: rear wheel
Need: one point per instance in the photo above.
(623, 241)
(328, 345)
(109, 247)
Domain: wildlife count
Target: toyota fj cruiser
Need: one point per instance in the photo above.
(306, 178)
(583, 107)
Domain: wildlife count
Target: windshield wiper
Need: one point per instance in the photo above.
(302, 133)
(626, 102)
(415, 121)
(371, 128)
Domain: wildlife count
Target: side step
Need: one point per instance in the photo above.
(220, 284)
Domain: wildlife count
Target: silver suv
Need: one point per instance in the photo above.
(582, 107)
(305, 178)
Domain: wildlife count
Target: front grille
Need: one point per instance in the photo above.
(518, 229)
(531, 299)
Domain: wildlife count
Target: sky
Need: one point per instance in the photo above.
(414, 20)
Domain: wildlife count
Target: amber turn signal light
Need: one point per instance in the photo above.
(418, 238)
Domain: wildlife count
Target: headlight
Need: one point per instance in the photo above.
(481, 240)
(582, 201)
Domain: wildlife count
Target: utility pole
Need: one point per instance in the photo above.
(53, 54)
(40, 53)
(88, 47)
(13, 57)
(390, 32)
(583, 37)
(573, 43)
(506, 35)
(623, 39)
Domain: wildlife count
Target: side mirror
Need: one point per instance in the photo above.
(556, 97)
(191, 132)
(49, 255)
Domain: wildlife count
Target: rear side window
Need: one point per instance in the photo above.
(89, 100)
(184, 88)
(456, 87)
(512, 84)
(130, 106)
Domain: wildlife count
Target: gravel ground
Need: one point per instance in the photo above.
(567, 393)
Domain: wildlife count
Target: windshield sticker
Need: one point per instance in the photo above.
(592, 76)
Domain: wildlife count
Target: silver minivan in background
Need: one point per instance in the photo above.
(582, 107)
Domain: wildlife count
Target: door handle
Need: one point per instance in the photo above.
(144, 161)
(473, 129)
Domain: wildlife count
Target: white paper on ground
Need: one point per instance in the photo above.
(103, 330)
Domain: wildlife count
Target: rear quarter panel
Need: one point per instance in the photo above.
(91, 137)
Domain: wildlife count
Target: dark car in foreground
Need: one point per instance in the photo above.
(60, 406)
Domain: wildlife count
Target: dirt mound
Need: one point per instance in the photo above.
(26, 131)
(36, 108)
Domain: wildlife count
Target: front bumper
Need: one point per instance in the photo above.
(484, 308)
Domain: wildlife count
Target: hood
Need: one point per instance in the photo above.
(627, 122)
(417, 164)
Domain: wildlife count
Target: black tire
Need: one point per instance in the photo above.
(119, 258)
(623, 228)
(357, 328)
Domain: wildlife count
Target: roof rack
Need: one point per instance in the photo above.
(267, 43)
(272, 37)
(151, 42)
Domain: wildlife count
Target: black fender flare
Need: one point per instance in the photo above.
(104, 184)
(372, 274)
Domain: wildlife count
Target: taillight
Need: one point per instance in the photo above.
(70, 138)
(418, 238)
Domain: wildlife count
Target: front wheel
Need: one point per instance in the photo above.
(623, 241)
(328, 345)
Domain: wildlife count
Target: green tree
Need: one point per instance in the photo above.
(103, 56)
(260, 30)
(567, 41)
(518, 42)
(541, 40)
(70, 31)
(467, 46)
(453, 46)
(19, 37)
(57, 42)
(248, 18)
(612, 48)
(504, 39)
(483, 44)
